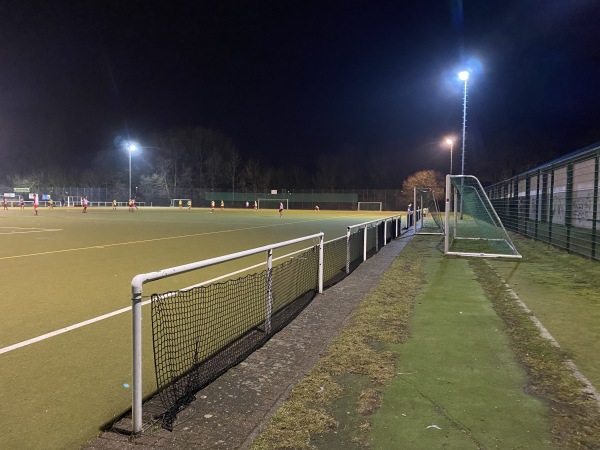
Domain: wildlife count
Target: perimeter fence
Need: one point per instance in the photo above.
(200, 331)
(556, 203)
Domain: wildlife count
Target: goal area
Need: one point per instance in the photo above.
(184, 202)
(370, 206)
(272, 203)
(472, 225)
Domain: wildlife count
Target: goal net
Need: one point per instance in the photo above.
(272, 203)
(184, 202)
(472, 226)
(370, 206)
(430, 218)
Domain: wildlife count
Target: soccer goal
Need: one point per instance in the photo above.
(472, 225)
(370, 206)
(74, 200)
(272, 203)
(430, 220)
(184, 202)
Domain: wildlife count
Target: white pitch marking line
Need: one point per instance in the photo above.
(123, 310)
(64, 330)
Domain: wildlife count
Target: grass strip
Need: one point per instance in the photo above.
(355, 367)
(574, 416)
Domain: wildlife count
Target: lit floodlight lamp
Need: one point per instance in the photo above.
(464, 75)
(131, 147)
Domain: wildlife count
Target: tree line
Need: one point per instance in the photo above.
(200, 158)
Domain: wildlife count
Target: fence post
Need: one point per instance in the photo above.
(365, 243)
(347, 250)
(320, 264)
(269, 289)
(136, 327)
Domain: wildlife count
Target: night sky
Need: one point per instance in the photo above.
(291, 80)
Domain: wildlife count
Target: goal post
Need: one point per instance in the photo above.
(184, 202)
(272, 203)
(370, 206)
(472, 226)
(429, 217)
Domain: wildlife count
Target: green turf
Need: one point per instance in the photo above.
(64, 267)
(563, 291)
(458, 384)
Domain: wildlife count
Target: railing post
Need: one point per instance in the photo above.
(269, 290)
(347, 250)
(320, 264)
(365, 243)
(136, 327)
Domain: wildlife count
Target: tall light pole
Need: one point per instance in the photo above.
(450, 142)
(131, 147)
(464, 75)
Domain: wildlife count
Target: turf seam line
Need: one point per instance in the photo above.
(589, 388)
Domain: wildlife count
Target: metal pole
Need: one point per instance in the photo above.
(269, 290)
(451, 144)
(464, 137)
(129, 150)
(321, 265)
(136, 309)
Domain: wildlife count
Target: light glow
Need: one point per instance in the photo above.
(464, 75)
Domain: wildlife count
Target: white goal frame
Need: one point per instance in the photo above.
(370, 203)
(273, 200)
(175, 202)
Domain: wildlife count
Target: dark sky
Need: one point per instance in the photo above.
(291, 80)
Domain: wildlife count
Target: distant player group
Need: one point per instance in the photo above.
(132, 206)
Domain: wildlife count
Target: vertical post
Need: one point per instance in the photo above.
(321, 264)
(269, 290)
(365, 243)
(464, 140)
(136, 327)
(595, 205)
(414, 210)
(347, 250)
(385, 232)
(455, 210)
(447, 216)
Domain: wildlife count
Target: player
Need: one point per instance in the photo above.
(51, 203)
(114, 204)
(212, 206)
(36, 203)
(280, 209)
(84, 201)
(222, 206)
(189, 204)
(317, 208)
(180, 204)
(4, 205)
(22, 202)
(133, 205)
(255, 206)
(247, 204)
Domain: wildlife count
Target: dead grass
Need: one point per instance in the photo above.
(369, 401)
(358, 350)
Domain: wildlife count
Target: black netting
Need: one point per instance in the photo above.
(355, 248)
(334, 261)
(200, 333)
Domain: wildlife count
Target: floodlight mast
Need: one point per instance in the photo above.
(131, 147)
(464, 76)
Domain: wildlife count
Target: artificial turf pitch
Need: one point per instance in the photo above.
(63, 267)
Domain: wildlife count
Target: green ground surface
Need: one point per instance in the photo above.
(64, 267)
(440, 355)
(458, 385)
